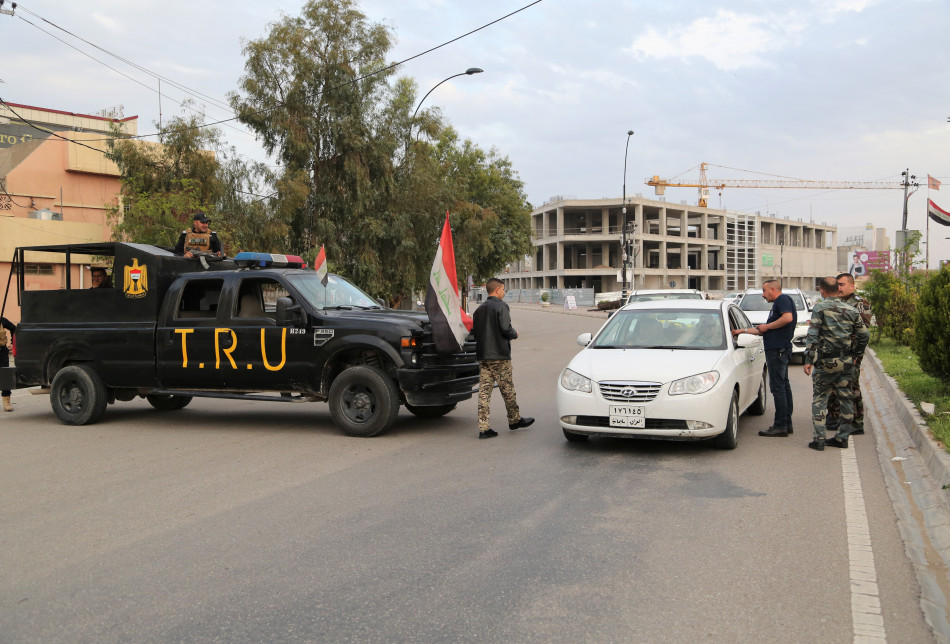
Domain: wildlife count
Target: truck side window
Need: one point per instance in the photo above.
(257, 298)
(199, 299)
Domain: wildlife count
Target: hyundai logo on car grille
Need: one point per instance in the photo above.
(629, 391)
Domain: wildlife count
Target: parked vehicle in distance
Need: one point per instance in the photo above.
(651, 295)
(733, 297)
(757, 308)
(666, 370)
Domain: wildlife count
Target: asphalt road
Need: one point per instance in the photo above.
(260, 522)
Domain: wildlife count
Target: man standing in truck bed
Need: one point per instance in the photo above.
(199, 238)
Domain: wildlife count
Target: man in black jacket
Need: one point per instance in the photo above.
(493, 335)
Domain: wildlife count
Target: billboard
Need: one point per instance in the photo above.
(865, 261)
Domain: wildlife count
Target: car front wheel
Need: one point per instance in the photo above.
(363, 401)
(729, 438)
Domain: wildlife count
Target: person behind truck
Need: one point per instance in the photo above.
(199, 238)
(7, 329)
(100, 278)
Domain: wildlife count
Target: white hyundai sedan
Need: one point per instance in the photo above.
(665, 369)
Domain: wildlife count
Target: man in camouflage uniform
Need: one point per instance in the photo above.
(493, 335)
(836, 334)
(847, 295)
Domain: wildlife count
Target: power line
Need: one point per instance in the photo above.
(346, 84)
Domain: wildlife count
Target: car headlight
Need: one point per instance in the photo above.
(573, 381)
(698, 384)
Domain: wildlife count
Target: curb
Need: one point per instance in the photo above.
(934, 456)
(916, 468)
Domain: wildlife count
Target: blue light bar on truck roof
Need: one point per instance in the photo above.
(269, 260)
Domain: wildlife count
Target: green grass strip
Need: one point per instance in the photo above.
(901, 364)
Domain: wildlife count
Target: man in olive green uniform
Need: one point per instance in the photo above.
(847, 295)
(836, 334)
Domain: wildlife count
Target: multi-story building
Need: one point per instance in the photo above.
(55, 187)
(577, 245)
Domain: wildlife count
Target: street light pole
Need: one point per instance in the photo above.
(623, 228)
(467, 72)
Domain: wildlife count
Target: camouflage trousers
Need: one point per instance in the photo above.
(834, 409)
(490, 372)
(832, 375)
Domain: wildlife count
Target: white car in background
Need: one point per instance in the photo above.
(667, 369)
(757, 308)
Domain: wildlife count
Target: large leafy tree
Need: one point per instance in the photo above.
(310, 94)
(191, 169)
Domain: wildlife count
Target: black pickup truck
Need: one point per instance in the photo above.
(171, 330)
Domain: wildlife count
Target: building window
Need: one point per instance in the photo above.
(38, 269)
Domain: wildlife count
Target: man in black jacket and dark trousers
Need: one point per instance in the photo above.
(493, 335)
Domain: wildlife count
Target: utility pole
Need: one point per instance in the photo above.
(908, 181)
(623, 227)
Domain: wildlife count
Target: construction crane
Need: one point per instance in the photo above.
(704, 184)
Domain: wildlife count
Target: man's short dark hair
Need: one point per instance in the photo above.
(492, 285)
(846, 275)
(777, 283)
(98, 269)
(829, 286)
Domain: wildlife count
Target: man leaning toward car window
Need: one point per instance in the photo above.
(777, 335)
(493, 335)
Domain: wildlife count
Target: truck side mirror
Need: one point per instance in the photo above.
(288, 313)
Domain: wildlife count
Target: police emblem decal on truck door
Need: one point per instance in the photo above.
(135, 284)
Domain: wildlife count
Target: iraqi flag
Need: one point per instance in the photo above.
(442, 297)
(320, 266)
(937, 213)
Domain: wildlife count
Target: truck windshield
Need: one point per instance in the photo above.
(337, 294)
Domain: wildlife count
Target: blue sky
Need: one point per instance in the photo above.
(844, 90)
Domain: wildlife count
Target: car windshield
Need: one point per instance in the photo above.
(652, 297)
(337, 294)
(756, 302)
(663, 329)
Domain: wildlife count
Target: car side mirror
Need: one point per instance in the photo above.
(584, 339)
(288, 313)
(746, 340)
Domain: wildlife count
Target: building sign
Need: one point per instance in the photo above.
(13, 133)
(767, 260)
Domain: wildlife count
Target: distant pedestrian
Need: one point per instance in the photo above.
(847, 295)
(5, 340)
(777, 335)
(493, 335)
(836, 334)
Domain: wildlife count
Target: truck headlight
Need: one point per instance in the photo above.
(573, 381)
(698, 384)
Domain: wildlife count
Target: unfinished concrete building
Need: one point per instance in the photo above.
(577, 245)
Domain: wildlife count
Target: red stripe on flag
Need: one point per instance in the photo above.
(937, 213)
(448, 254)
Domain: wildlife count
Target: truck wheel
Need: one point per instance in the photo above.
(363, 401)
(78, 395)
(430, 412)
(167, 402)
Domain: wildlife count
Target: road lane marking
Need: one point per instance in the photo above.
(866, 618)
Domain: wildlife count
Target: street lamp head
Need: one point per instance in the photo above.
(629, 132)
(473, 70)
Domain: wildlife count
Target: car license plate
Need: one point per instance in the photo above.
(627, 416)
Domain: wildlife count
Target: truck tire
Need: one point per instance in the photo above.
(430, 412)
(167, 402)
(363, 401)
(78, 395)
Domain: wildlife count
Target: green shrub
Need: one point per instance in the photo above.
(931, 339)
(893, 304)
(545, 296)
